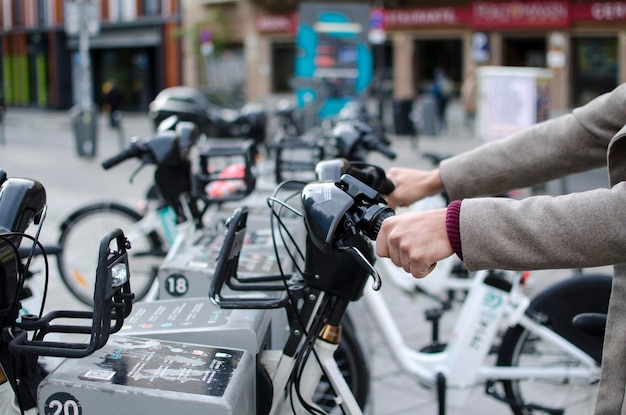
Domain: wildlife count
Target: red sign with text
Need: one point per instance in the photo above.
(605, 11)
(399, 18)
(277, 23)
(517, 14)
(481, 15)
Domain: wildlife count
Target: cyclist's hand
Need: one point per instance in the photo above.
(412, 185)
(415, 241)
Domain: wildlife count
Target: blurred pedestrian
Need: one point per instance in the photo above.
(112, 101)
(443, 90)
(468, 98)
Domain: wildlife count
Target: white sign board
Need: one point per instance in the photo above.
(510, 99)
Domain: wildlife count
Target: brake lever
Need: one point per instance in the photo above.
(136, 172)
(358, 255)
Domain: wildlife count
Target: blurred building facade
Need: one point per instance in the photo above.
(136, 44)
(248, 47)
(582, 42)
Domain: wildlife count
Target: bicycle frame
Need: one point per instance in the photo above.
(463, 362)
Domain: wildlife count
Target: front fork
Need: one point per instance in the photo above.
(319, 363)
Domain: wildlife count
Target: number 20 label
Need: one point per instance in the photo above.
(62, 403)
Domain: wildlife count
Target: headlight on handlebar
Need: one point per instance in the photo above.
(332, 210)
(323, 207)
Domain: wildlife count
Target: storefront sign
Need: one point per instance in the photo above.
(481, 15)
(377, 33)
(519, 14)
(424, 17)
(600, 11)
(282, 23)
(480, 47)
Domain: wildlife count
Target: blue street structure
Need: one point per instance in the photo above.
(335, 64)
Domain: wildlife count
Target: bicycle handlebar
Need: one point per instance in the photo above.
(134, 149)
(165, 147)
(355, 138)
(371, 175)
(375, 143)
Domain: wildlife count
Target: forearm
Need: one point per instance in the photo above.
(542, 232)
(536, 155)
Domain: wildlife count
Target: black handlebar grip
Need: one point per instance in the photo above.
(378, 222)
(129, 152)
(373, 219)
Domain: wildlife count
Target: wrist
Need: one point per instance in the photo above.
(435, 184)
(453, 214)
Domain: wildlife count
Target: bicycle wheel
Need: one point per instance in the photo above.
(555, 307)
(353, 366)
(528, 396)
(80, 240)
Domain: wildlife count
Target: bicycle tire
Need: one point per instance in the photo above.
(556, 307)
(353, 366)
(80, 236)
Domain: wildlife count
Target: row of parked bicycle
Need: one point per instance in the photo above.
(280, 341)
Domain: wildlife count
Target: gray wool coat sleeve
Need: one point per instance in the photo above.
(577, 230)
(542, 232)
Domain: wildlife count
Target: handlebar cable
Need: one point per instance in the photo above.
(311, 334)
(276, 215)
(15, 360)
(36, 243)
(11, 311)
(281, 227)
(24, 269)
(302, 359)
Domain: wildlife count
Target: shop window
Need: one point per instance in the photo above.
(18, 13)
(151, 7)
(525, 52)
(42, 13)
(283, 63)
(433, 55)
(595, 68)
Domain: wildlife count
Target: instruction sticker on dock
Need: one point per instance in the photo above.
(167, 366)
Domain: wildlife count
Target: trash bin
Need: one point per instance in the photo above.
(84, 125)
(401, 117)
(428, 116)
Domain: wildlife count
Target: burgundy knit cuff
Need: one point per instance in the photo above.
(452, 226)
